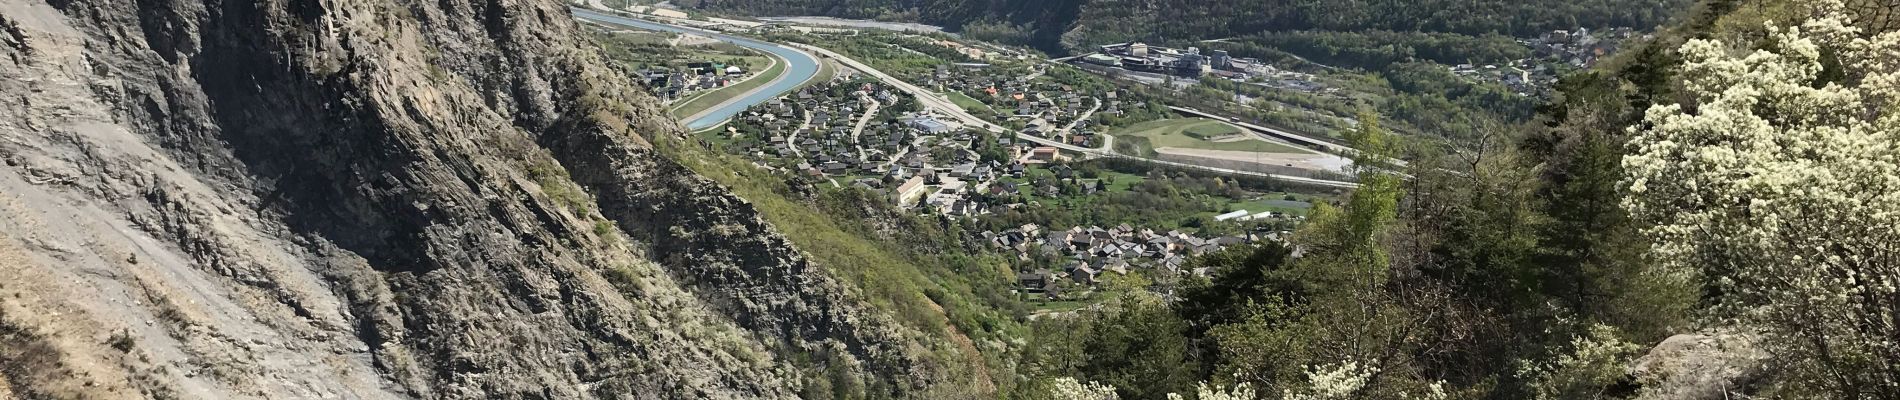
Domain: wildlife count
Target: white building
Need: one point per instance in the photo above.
(1231, 215)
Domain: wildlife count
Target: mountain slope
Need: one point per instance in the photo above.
(314, 198)
(1081, 24)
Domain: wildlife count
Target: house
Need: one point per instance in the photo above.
(1081, 241)
(1173, 262)
(909, 190)
(929, 125)
(963, 170)
(980, 173)
(1043, 154)
(1004, 189)
(1063, 172)
(1084, 274)
(1035, 282)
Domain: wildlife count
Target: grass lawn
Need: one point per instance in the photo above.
(969, 103)
(825, 72)
(1272, 202)
(717, 134)
(712, 98)
(1120, 182)
(1190, 133)
(632, 37)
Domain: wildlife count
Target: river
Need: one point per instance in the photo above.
(800, 66)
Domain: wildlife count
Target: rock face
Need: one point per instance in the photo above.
(1700, 366)
(376, 199)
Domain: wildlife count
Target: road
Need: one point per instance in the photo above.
(1282, 135)
(858, 130)
(1108, 141)
(1279, 134)
(791, 141)
(800, 67)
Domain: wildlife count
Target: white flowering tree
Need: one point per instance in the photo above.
(1066, 388)
(1211, 392)
(1334, 382)
(1597, 360)
(1780, 183)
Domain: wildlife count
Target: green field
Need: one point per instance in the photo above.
(1277, 202)
(1191, 133)
(825, 72)
(635, 38)
(712, 98)
(969, 103)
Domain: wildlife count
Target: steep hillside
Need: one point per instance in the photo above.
(1074, 24)
(369, 199)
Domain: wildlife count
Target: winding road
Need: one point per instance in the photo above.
(800, 67)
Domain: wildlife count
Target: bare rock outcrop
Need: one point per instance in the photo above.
(375, 199)
(1700, 366)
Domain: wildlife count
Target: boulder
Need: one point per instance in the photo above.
(1716, 365)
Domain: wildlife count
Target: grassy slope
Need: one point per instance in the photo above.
(1272, 203)
(825, 72)
(934, 301)
(969, 103)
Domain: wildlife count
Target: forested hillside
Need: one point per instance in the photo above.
(1072, 24)
(1709, 215)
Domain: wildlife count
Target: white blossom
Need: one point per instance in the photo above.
(1338, 381)
(1781, 180)
(1205, 392)
(1069, 389)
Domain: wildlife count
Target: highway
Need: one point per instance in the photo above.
(800, 67)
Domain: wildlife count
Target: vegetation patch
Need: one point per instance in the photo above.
(923, 279)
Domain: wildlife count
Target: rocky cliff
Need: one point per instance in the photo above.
(379, 199)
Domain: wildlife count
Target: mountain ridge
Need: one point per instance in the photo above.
(1078, 25)
(294, 198)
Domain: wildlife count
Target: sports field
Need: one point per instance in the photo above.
(1191, 133)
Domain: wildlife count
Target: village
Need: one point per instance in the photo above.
(1087, 253)
(860, 133)
(864, 134)
(1039, 107)
(850, 131)
(1553, 52)
(695, 77)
